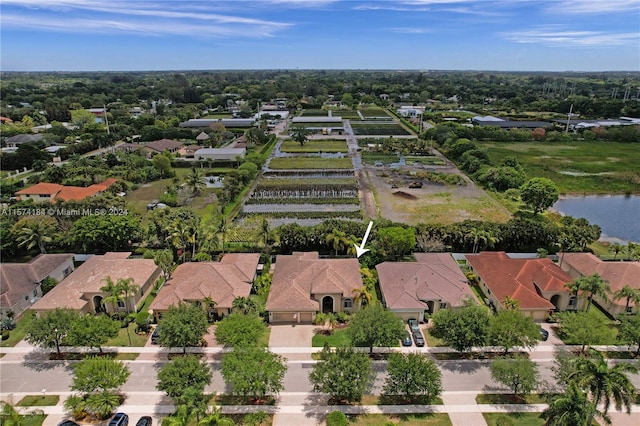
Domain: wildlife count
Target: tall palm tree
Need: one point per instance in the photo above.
(510, 303)
(605, 384)
(629, 293)
(362, 295)
(114, 294)
(32, 232)
(481, 239)
(572, 408)
(222, 231)
(128, 289)
(195, 181)
(208, 304)
(244, 305)
(595, 285)
(616, 248)
(337, 240)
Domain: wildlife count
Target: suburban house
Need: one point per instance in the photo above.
(50, 192)
(81, 292)
(15, 141)
(22, 282)
(303, 284)
(153, 148)
(617, 274)
(218, 282)
(433, 282)
(537, 284)
(220, 154)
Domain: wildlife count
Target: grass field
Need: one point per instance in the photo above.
(18, 333)
(501, 398)
(576, 167)
(516, 419)
(314, 146)
(283, 163)
(440, 419)
(122, 339)
(38, 400)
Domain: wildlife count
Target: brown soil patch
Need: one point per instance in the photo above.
(402, 194)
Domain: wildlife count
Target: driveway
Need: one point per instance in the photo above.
(291, 336)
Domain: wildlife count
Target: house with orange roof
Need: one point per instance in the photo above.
(616, 273)
(537, 284)
(433, 282)
(81, 291)
(303, 284)
(219, 282)
(44, 192)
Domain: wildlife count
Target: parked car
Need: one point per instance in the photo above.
(155, 335)
(144, 421)
(544, 334)
(413, 324)
(120, 419)
(418, 338)
(406, 340)
(68, 423)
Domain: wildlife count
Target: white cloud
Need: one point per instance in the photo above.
(556, 37)
(594, 6)
(411, 30)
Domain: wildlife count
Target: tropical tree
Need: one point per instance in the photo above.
(195, 181)
(34, 232)
(630, 294)
(92, 331)
(595, 285)
(375, 326)
(102, 404)
(481, 239)
(299, 134)
(337, 240)
(629, 331)
(182, 374)
(128, 289)
(605, 384)
(50, 329)
(509, 328)
(244, 305)
(238, 330)
(215, 418)
(164, 259)
(363, 295)
(114, 295)
(583, 328)
(462, 328)
(572, 408)
(616, 248)
(9, 416)
(222, 231)
(253, 371)
(538, 194)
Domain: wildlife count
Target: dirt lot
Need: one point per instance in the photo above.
(433, 203)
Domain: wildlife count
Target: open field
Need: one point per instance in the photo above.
(283, 163)
(576, 167)
(433, 203)
(378, 129)
(314, 146)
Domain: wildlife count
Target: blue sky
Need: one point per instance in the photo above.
(510, 35)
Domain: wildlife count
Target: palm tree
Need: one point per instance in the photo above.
(103, 403)
(363, 295)
(208, 304)
(351, 245)
(222, 230)
(481, 239)
(181, 417)
(215, 418)
(616, 248)
(629, 293)
(195, 181)
(595, 286)
(510, 303)
(605, 384)
(572, 408)
(129, 289)
(9, 416)
(337, 239)
(244, 305)
(164, 259)
(114, 294)
(32, 232)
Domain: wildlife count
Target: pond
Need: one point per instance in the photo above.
(617, 215)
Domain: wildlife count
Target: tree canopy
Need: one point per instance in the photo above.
(462, 328)
(182, 325)
(412, 374)
(519, 374)
(181, 375)
(253, 371)
(51, 329)
(510, 327)
(238, 329)
(375, 326)
(344, 374)
(539, 194)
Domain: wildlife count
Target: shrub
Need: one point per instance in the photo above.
(5, 334)
(142, 321)
(337, 418)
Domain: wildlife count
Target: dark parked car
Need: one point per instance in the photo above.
(417, 337)
(144, 421)
(155, 335)
(68, 423)
(120, 419)
(544, 334)
(406, 340)
(413, 324)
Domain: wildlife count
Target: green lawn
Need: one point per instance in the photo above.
(18, 333)
(604, 167)
(338, 338)
(38, 400)
(36, 420)
(398, 400)
(502, 398)
(432, 341)
(281, 163)
(439, 419)
(264, 340)
(122, 339)
(314, 146)
(516, 419)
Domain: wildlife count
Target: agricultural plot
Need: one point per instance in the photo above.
(378, 129)
(374, 112)
(347, 114)
(314, 113)
(309, 163)
(575, 167)
(313, 146)
(318, 124)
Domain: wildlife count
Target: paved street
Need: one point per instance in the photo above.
(25, 370)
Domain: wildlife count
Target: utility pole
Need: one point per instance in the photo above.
(568, 118)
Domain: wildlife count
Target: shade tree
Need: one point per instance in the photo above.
(50, 329)
(182, 325)
(254, 372)
(412, 374)
(183, 378)
(344, 374)
(510, 328)
(462, 329)
(374, 325)
(520, 374)
(239, 330)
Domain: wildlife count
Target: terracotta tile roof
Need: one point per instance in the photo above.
(89, 277)
(67, 193)
(433, 277)
(518, 278)
(221, 281)
(617, 273)
(19, 279)
(298, 276)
